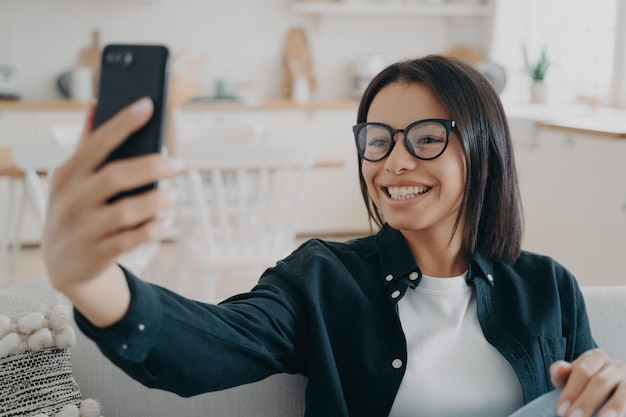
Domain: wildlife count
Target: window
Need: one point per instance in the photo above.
(583, 40)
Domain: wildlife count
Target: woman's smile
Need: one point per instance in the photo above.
(406, 192)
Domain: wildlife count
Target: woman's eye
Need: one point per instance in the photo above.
(426, 140)
(378, 142)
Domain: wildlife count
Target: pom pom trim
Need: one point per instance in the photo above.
(36, 331)
(87, 408)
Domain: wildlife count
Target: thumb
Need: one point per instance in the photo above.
(559, 373)
(88, 126)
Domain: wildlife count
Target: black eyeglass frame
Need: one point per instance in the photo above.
(448, 124)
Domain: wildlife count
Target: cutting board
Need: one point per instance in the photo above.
(91, 56)
(297, 61)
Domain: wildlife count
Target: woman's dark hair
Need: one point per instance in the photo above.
(491, 200)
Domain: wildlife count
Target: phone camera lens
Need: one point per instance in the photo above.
(128, 58)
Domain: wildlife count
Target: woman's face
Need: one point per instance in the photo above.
(413, 194)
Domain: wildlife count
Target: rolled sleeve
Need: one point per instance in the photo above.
(131, 338)
(188, 347)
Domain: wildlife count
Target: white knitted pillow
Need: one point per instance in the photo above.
(35, 370)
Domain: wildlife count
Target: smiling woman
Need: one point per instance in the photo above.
(406, 92)
(393, 324)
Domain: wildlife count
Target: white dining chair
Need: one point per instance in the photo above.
(245, 201)
(30, 191)
(27, 192)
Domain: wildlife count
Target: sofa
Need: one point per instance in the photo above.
(278, 395)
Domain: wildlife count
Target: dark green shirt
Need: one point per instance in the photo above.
(329, 311)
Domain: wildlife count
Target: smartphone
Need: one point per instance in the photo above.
(128, 73)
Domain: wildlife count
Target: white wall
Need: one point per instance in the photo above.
(619, 65)
(243, 38)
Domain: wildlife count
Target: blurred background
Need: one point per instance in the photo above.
(243, 41)
(292, 71)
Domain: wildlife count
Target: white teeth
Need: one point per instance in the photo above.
(404, 193)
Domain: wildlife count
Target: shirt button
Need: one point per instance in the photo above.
(490, 277)
(396, 363)
(389, 278)
(413, 276)
(124, 346)
(395, 294)
(141, 327)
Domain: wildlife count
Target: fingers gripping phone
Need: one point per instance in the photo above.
(128, 73)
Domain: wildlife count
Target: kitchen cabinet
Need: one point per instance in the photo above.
(31, 126)
(16, 126)
(574, 194)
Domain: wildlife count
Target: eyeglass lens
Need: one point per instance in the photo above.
(425, 140)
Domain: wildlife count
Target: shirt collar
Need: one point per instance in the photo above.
(480, 266)
(397, 261)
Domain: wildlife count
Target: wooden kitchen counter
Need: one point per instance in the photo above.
(273, 104)
(269, 104)
(616, 130)
(52, 104)
(9, 169)
(605, 122)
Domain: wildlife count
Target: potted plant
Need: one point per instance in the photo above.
(537, 71)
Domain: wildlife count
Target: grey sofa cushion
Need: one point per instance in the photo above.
(606, 308)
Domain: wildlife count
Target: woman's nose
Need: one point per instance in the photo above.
(400, 159)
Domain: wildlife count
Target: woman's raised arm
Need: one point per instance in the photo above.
(84, 234)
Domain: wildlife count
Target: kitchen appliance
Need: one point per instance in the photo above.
(226, 90)
(64, 83)
(366, 68)
(495, 74)
(8, 84)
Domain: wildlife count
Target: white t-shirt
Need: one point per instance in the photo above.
(451, 369)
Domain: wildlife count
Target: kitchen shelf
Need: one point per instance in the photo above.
(265, 104)
(378, 9)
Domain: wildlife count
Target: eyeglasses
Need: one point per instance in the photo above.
(424, 139)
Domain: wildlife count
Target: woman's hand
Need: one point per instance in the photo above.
(593, 381)
(84, 235)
